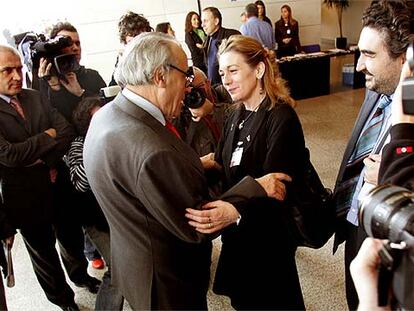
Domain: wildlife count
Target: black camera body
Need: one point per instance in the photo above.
(196, 98)
(35, 46)
(388, 213)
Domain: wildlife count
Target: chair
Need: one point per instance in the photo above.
(311, 48)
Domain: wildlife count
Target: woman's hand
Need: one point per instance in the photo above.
(44, 73)
(273, 185)
(213, 217)
(208, 162)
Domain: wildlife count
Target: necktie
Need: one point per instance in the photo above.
(14, 102)
(172, 128)
(363, 148)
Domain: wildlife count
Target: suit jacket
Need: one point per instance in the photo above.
(220, 35)
(369, 102)
(26, 187)
(144, 178)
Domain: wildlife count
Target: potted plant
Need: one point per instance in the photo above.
(340, 6)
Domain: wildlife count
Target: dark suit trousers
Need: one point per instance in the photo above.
(68, 226)
(40, 243)
(355, 237)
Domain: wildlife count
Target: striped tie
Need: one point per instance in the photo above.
(15, 103)
(363, 148)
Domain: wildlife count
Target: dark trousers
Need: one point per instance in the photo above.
(3, 305)
(109, 297)
(40, 242)
(355, 237)
(68, 226)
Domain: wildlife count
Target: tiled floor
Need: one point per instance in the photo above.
(327, 122)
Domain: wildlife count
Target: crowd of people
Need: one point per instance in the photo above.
(185, 154)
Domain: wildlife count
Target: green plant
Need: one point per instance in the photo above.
(340, 6)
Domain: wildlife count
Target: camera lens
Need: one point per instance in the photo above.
(195, 99)
(387, 211)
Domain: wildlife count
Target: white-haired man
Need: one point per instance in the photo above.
(145, 178)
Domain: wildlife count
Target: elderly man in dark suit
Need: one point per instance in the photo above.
(383, 41)
(145, 177)
(33, 137)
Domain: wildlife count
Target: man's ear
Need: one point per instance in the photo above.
(160, 78)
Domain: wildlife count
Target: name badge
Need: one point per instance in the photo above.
(288, 31)
(236, 157)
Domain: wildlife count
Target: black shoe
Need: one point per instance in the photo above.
(72, 307)
(91, 283)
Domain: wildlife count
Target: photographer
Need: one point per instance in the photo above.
(201, 121)
(64, 92)
(397, 165)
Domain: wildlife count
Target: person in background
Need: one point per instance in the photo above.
(243, 17)
(287, 33)
(383, 42)
(256, 28)
(201, 127)
(165, 28)
(194, 38)
(262, 12)
(256, 266)
(212, 20)
(95, 225)
(33, 139)
(65, 95)
(130, 25)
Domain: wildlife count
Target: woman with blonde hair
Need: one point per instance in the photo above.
(263, 134)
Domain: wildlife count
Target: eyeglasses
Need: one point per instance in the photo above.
(189, 75)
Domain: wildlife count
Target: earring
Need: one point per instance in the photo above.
(261, 90)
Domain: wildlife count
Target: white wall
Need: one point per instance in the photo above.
(96, 20)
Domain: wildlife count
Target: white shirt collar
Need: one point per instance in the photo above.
(144, 104)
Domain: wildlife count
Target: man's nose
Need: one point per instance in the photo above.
(361, 63)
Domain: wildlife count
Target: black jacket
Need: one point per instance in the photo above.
(197, 54)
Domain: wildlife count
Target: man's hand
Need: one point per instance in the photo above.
(273, 185)
(201, 112)
(44, 72)
(372, 165)
(208, 162)
(73, 85)
(51, 132)
(286, 40)
(215, 216)
(364, 272)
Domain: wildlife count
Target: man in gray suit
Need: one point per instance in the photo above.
(145, 177)
(383, 41)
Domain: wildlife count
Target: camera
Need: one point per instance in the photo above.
(196, 98)
(387, 212)
(408, 85)
(35, 46)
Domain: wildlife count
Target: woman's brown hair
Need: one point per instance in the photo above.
(253, 53)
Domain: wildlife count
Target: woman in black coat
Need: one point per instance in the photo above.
(287, 33)
(256, 267)
(194, 38)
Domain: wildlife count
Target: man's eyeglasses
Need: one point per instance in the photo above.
(189, 75)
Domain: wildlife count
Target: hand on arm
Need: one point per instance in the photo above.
(208, 162)
(213, 217)
(51, 132)
(273, 185)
